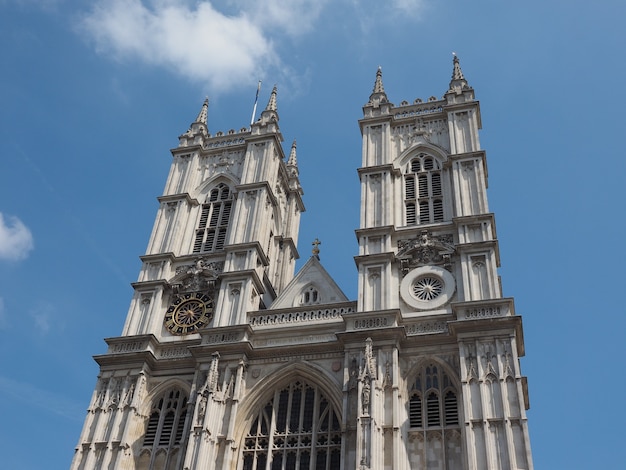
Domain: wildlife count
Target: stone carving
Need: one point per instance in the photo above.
(483, 312)
(354, 372)
(198, 277)
(369, 361)
(365, 397)
(101, 394)
(130, 391)
(470, 363)
(367, 323)
(426, 328)
(299, 317)
(387, 382)
(211, 380)
(425, 250)
(115, 391)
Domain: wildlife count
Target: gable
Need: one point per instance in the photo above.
(311, 286)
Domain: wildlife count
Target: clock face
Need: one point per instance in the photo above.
(189, 313)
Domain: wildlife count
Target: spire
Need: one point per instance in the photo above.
(269, 116)
(457, 73)
(292, 167)
(378, 84)
(292, 161)
(202, 115)
(198, 129)
(458, 82)
(378, 93)
(271, 104)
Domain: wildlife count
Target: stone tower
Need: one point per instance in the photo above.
(229, 361)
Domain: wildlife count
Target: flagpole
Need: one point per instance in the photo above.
(256, 99)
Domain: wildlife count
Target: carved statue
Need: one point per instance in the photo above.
(365, 397)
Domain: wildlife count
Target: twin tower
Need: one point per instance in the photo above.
(229, 360)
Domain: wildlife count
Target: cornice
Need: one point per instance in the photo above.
(178, 197)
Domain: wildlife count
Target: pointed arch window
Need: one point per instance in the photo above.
(214, 220)
(423, 193)
(433, 402)
(298, 429)
(166, 424)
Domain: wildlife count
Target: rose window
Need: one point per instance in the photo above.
(427, 288)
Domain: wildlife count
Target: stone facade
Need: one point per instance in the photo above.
(230, 360)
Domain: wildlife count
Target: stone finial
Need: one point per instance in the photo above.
(316, 247)
(292, 161)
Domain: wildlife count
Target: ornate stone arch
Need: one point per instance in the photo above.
(434, 413)
(200, 192)
(215, 200)
(165, 412)
(425, 183)
(318, 397)
(420, 147)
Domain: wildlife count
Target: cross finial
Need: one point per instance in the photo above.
(316, 247)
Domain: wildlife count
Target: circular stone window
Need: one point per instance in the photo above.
(427, 287)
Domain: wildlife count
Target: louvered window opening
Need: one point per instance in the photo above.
(214, 220)
(297, 430)
(167, 421)
(423, 193)
(433, 402)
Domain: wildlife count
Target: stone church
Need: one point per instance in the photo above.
(230, 360)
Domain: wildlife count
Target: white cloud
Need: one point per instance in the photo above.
(226, 43)
(196, 41)
(16, 241)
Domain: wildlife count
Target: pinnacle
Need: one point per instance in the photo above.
(378, 84)
(457, 73)
(202, 115)
(271, 104)
(293, 161)
(458, 82)
(378, 93)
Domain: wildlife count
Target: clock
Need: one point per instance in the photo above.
(188, 313)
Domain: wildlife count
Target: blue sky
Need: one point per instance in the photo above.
(94, 94)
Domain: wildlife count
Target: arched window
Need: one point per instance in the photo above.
(310, 296)
(214, 219)
(298, 429)
(166, 424)
(423, 193)
(433, 400)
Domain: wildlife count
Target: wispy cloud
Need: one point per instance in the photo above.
(30, 395)
(42, 315)
(16, 241)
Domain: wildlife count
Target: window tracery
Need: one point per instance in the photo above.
(433, 402)
(166, 424)
(297, 429)
(214, 220)
(423, 192)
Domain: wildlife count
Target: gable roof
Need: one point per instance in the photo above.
(312, 274)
